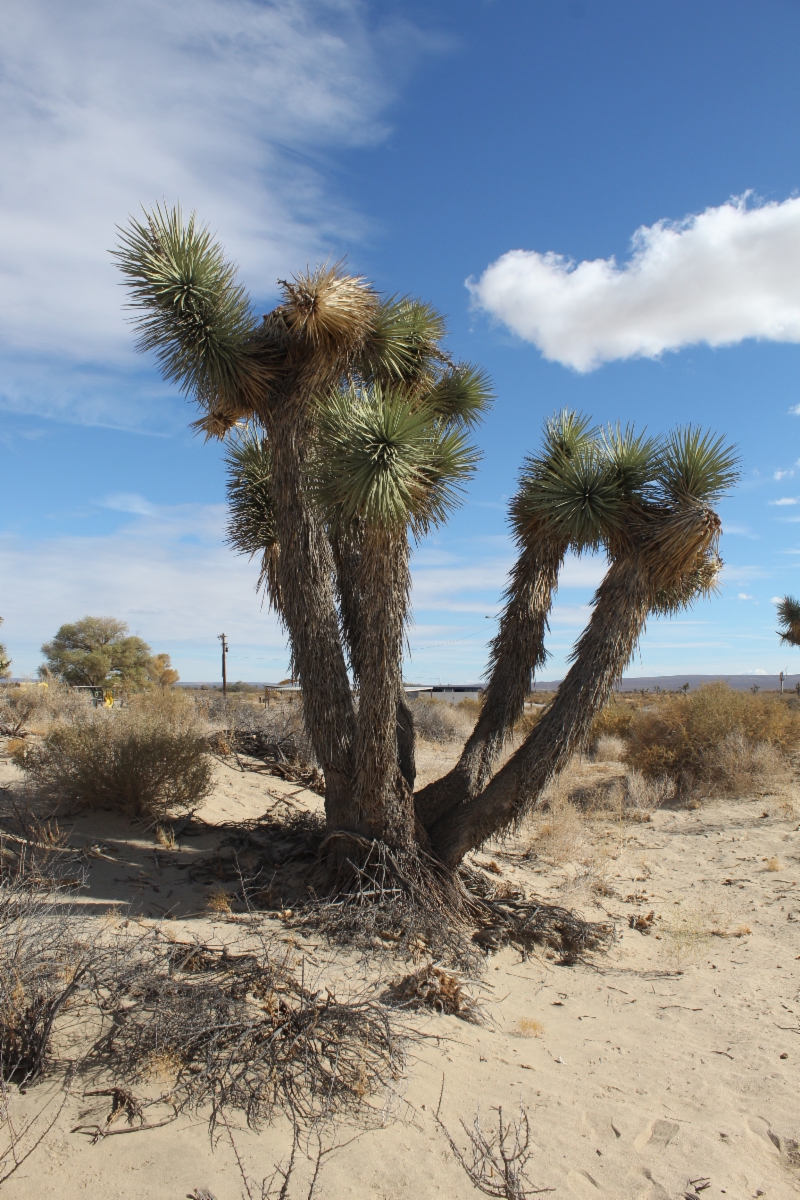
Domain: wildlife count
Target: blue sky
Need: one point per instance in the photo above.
(428, 143)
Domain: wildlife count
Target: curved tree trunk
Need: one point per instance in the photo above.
(517, 650)
(621, 608)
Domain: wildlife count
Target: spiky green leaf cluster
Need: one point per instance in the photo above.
(384, 458)
(192, 311)
(404, 344)
(251, 528)
(694, 464)
(789, 619)
(586, 484)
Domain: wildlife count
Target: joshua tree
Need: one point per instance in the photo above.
(351, 440)
(789, 618)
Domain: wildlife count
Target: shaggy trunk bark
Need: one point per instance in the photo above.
(305, 570)
(517, 650)
(621, 607)
(347, 551)
(406, 738)
(384, 798)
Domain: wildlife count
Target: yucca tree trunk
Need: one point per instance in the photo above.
(383, 796)
(517, 650)
(305, 569)
(347, 551)
(622, 604)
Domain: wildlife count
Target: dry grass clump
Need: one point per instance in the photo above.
(690, 929)
(440, 722)
(143, 761)
(432, 987)
(560, 835)
(715, 739)
(530, 1027)
(609, 748)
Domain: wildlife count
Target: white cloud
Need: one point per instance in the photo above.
(166, 573)
(784, 500)
(776, 600)
(744, 596)
(450, 583)
(226, 105)
(781, 475)
(729, 273)
(794, 411)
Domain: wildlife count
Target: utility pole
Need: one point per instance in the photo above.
(225, 648)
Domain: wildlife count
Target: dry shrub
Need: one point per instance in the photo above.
(142, 761)
(715, 738)
(496, 1163)
(30, 707)
(237, 721)
(609, 748)
(614, 720)
(218, 901)
(440, 722)
(46, 960)
(213, 1030)
(646, 795)
(246, 1032)
(431, 987)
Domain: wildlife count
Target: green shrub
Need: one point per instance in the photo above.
(146, 762)
(713, 738)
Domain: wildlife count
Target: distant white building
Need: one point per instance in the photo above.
(454, 693)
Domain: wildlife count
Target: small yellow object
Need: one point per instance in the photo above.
(108, 699)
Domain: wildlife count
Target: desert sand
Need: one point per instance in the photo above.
(669, 1063)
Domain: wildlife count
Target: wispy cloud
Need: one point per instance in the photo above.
(731, 574)
(729, 273)
(225, 105)
(744, 596)
(784, 500)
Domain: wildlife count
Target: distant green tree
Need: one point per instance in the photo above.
(5, 661)
(98, 651)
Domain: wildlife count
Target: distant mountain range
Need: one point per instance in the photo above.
(672, 683)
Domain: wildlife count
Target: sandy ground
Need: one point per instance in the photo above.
(673, 1058)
